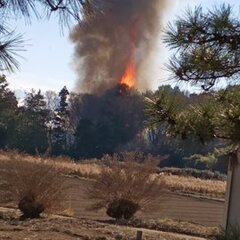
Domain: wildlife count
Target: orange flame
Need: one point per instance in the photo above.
(129, 76)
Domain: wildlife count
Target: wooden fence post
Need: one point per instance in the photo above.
(139, 235)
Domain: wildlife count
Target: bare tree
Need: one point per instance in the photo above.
(52, 100)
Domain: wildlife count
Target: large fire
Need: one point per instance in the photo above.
(129, 76)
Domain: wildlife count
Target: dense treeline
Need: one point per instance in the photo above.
(90, 126)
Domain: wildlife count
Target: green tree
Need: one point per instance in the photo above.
(32, 134)
(207, 46)
(8, 114)
(60, 126)
(85, 143)
(215, 117)
(107, 122)
(162, 108)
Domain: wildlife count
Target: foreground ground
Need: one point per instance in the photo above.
(65, 228)
(172, 216)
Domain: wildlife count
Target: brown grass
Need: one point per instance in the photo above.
(212, 188)
(92, 169)
(87, 169)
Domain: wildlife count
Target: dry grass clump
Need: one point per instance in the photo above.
(213, 188)
(34, 186)
(125, 185)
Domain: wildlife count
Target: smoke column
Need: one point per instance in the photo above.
(121, 30)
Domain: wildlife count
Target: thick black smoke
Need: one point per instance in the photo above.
(104, 44)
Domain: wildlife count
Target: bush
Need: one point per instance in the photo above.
(125, 185)
(122, 209)
(30, 206)
(33, 184)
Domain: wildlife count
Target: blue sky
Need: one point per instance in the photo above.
(47, 61)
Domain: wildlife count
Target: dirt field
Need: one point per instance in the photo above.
(169, 205)
(61, 228)
(89, 225)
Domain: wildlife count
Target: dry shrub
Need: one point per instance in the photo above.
(35, 186)
(125, 185)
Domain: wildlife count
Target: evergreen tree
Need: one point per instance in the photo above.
(212, 119)
(32, 129)
(207, 46)
(8, 114)
(208, 50)
(60, 126)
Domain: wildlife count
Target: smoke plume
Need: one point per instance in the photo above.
(121, 31)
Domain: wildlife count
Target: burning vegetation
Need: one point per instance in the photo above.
(129, 76)
(114, 44)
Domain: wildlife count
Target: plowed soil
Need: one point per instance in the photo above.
(191, 208)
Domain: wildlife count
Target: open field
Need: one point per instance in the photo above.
(170, 205)
(192, 215)
(90, 169)
(187, 205)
